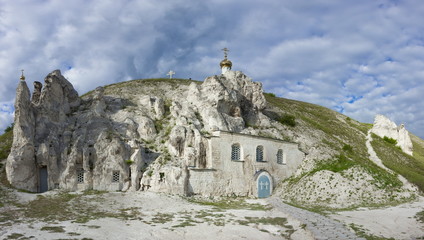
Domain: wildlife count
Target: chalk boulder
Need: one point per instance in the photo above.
(384, 127)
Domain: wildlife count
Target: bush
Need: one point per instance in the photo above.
(9, 129)
(390, 140)
(288, 120)
(347, 148)
(340, 164)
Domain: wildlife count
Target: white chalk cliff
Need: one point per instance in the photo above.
(384, 127)
(83, 142)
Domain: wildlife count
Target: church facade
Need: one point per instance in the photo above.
(244, 165)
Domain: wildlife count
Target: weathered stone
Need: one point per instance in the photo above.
(383, 127)
(112, 141)
(20, 165)
(37, 92)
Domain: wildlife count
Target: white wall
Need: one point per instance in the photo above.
(237, 177)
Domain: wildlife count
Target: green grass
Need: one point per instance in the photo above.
(50, 208)
(362, 233)
(288, 120)
(335, 133)
(72, 207)
(344, 137)
(162, 218)
(390, 140)
(277, 221)
(134, 86)
(5, 144)
(16, 236)
(341, 163)
(231, 203)
(418, 146)
(53, 229)
(393, 158)
(420, 216)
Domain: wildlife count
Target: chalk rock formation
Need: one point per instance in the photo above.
(20, 165)
(228, 102)
(384, 127)
(124, 141)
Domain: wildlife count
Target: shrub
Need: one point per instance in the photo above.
(288, 120)
(347, 148)
(390, 140)
(8, 129)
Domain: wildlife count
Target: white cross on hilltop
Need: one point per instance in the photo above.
(170, 74)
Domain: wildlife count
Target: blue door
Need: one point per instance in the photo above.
(264, 187)
(44, 187)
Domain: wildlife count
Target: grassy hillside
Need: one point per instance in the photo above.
(130, 88)
(344, 137)
(411, 167)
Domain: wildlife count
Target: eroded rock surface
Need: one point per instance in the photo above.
(384, 127)
(124, 141)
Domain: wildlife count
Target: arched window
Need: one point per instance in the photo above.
(280, 159)
(259, 154)
(235, 152)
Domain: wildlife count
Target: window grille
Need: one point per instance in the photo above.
(259, 153)
(280, 156)
(235, 152)
(115, 176)
(80, 176)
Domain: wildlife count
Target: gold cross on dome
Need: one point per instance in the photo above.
(225, 50)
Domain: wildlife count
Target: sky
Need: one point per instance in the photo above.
(360, 58)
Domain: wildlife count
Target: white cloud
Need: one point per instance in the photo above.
(364, 57)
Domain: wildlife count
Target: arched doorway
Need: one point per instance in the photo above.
(264, 184)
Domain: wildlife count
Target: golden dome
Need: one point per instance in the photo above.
(22, 76)
(226, 63)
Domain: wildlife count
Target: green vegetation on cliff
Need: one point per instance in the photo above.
(411, 167)
(6, 143)
(341, 146)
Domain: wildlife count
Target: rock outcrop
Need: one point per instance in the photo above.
(136, 139)
(230, 102)
(20, 165)
(383, 127)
